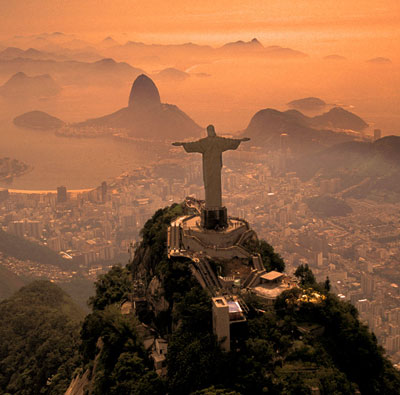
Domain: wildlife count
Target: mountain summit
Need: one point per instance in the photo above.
(144, 93)
(305, 133)
(146, 117)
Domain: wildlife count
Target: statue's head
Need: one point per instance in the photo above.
(211, 131)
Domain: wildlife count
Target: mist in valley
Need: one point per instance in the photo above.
(91, 102)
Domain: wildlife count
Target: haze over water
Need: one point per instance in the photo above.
(75, 163)
(231, 90)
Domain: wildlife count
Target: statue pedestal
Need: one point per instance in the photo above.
(214, 218)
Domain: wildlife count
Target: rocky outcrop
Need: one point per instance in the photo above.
(146, 117)
(144, 94)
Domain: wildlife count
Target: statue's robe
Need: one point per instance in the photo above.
(212, 148)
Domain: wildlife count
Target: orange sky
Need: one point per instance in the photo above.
(183, 18)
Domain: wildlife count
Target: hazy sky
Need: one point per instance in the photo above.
(211, 19)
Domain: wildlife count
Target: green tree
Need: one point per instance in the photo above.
(39, 331)
(215, 391)
(123, 365)
(305, 275)
(271, 260)
(327, 284)
(112, 287)
(193, 348)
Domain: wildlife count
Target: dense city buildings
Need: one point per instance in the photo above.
(359, 252)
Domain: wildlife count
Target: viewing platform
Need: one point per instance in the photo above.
(186, 236)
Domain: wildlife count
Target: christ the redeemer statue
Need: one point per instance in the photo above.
(212, 147)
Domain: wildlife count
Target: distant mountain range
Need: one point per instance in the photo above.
(334, 57)
(102, 71)
(147, 117)
(22, 86)
(379, 60)
(307, 104)
(55, 52)
(364, 168)
(30, 53)
(190, 53)
(357, 154)
(171, 74)
(305, 134)
(57, 43)
(254, 44)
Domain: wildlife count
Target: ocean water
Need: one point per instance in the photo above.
(74, 162)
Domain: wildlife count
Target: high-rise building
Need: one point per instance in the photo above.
(220, 314)
(61, 194)
(4, 194)
(284, 142)
(17, 228)
(283, 151)
(377, 134)
(104, 191)
(319, 258)
(34, 229)
(367, 284)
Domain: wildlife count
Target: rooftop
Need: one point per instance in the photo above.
(271, 276)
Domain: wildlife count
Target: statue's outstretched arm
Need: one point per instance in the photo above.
(194, 146)
(232, 144)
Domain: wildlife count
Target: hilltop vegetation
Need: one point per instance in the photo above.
(365, 169)
(308, 339)
(328, 206)
(24, 250)
(39, 331)
(9, 282)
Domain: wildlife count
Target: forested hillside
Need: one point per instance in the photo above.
(24, 249)
(308, 340)
(39, 332)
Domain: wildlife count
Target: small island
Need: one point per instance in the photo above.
(38, 120)
(10, 168)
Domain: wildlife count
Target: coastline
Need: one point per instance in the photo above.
(45, 192)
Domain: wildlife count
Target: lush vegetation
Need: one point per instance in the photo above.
(308, 340)
(9, 282)
(193, 348)
(154, 237)
(122, 365)
(39, 331)
(112, 287)
(24, 250)
(271, 260)
(12, 167)
(328, 206)
(80, 289)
